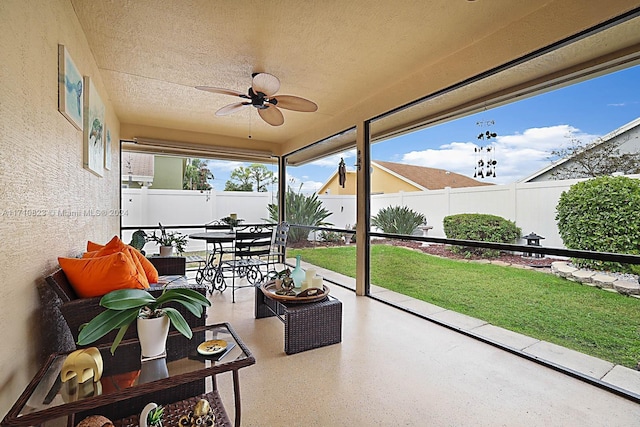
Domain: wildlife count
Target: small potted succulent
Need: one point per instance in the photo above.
(151, 416)
(169, 240)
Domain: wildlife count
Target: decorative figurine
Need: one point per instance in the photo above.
(201, 416)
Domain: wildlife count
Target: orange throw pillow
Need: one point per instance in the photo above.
(94, 277)
(91, 246)
(116, 245)
(149, 269)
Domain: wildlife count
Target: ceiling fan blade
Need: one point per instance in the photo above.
(232, 108)
(295, 103)
(271, 115)
(265, 83)
(220, 90)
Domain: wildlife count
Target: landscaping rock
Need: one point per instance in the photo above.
(603, 281)
(583, 276)
(627, 287)
(565, 271)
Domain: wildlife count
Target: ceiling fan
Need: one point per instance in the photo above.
(262, 96)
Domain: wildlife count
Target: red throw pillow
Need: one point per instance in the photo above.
(94, 277)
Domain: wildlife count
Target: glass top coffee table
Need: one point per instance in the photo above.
(128, 384)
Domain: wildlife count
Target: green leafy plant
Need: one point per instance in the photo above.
(352, 237)
(171, 238)
(154, 418)
(480, 227)
(301, 210)
(123, 306)
(601, 214)
(231, 222)
(398, 220)
(330, 236)
(138, 240)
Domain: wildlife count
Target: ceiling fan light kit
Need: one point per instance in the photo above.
(262, 96)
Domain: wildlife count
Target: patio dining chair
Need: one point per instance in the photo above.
(278, 247)
(251, 246)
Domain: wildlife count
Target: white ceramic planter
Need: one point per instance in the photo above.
(166, 250)
(152, 334)
(153, 370)
(145, 414)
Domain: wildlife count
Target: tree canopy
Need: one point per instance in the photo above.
(196, 175)
(595, 159)
(255, 177)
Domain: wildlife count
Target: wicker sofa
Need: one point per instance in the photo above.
(77, 311)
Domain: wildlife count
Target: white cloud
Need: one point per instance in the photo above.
(303, 184)
(333, 160)
(518, 155)
(224, 165)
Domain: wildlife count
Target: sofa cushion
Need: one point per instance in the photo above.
(117, 245)
(96, 276)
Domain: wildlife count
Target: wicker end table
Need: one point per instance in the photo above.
(128, 383)
(306, 326)
(173, 412)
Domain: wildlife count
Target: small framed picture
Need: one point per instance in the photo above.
(107, 148)
(94, 132)
(70, 89)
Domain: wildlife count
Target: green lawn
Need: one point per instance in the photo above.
(587, 319)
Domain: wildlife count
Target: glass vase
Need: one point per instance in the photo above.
(298, 273)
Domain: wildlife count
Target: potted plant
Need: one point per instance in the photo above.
(169, 240)
(232, 221)
(151, 415)
(123, 306)
(138, 240)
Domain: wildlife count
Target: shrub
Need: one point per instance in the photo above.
(397, 220)
(351, 237)
(302, 210)
(331, 237)
(601, 214)
(483, 228)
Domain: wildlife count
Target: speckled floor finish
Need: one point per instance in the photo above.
(395, 369)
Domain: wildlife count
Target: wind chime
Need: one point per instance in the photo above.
(485, 166)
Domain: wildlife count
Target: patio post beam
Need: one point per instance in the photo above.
(363, 207)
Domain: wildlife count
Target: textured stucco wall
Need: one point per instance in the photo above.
(41, 175)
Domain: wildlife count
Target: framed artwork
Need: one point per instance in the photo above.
(107, 149)
(70, 89)
(93, 137)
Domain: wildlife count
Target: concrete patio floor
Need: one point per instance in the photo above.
(394, 368)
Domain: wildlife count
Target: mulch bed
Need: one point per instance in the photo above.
(507, 257)
(443, 251)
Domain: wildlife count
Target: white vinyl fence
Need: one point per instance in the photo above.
(532, 206)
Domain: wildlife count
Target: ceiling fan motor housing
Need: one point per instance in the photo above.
(260, 100)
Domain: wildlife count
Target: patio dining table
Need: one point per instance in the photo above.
(212, 271)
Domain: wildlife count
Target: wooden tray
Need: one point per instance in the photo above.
(269, 289)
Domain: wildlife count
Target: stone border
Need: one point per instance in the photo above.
(600, 280)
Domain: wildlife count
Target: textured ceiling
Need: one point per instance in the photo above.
(356, 59)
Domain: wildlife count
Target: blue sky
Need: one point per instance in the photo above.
(528, 131)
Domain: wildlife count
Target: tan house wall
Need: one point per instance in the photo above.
(42, 179)
(385, 182)
(333, 185)
(381, 182)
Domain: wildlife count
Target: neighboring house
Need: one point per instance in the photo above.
(139, 170)
(628, 136)
(389, 177)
